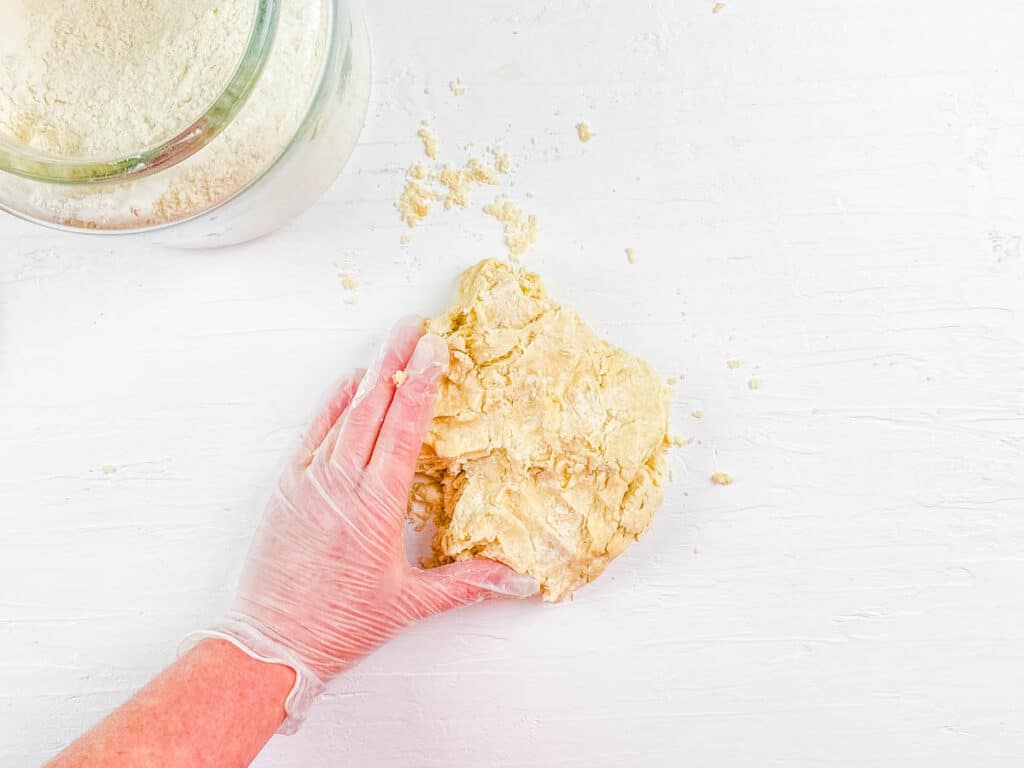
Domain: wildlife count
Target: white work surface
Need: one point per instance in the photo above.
(830, 191)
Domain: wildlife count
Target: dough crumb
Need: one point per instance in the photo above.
(754, 383)
(547, 449)
(349, 281)
(679, 442)
(447, 184)
(399, 378)
(459, 182)
(502, 161)
(404, 240)
(426, 505)
(108, 469)
(426, 91)
(672, 380)
(457, 87)
(631, 256)
(721, 478)
(351, 300)
(429, 142)
(717, 7)
(414, 204)
(734, 364)
(698, 414)
(520, 228)
(583, 131)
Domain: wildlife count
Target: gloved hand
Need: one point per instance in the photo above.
(326, 580)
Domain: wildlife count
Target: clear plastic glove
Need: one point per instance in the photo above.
(327, 580)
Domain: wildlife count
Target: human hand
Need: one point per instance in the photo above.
(326, 580)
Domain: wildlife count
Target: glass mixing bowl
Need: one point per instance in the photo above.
(263, 151)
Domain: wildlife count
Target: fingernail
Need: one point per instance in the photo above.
(518, 585)
(410, 321)
(430, 358)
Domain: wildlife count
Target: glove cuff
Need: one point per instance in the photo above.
(246, 635)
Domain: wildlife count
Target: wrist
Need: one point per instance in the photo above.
(248, 639)
(267, 683)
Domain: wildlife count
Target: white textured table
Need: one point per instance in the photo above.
(830, 191)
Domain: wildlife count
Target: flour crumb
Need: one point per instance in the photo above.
(429, 142)
(399, 378)
(672, 380)
(679, 442)
(349, 281)
(404, 240)
(426, 91)
(457, 87)
(583, 131)
(520, 228)
(754, 383)
(351, 300)
(698, 414)
(734, 364)
(717, 7)
(108, 469)
(721, 478)
(631, 256)
(417, 171)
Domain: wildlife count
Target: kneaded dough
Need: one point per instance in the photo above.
(547, 447)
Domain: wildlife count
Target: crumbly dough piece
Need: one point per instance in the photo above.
(547, 447)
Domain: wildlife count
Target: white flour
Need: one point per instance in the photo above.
(141, 112)
(102, 79)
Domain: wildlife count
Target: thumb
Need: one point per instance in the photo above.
(436, 590)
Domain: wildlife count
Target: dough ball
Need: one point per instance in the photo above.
(547, 447)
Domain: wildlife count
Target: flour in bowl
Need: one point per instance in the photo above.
(99, 79)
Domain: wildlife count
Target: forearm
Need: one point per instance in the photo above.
(214, 707)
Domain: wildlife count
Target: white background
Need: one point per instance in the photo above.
(830, 191)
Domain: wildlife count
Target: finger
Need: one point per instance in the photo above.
(365, 414)
(441, 589)
(328, 416)
(412, 407)
(326, 447)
